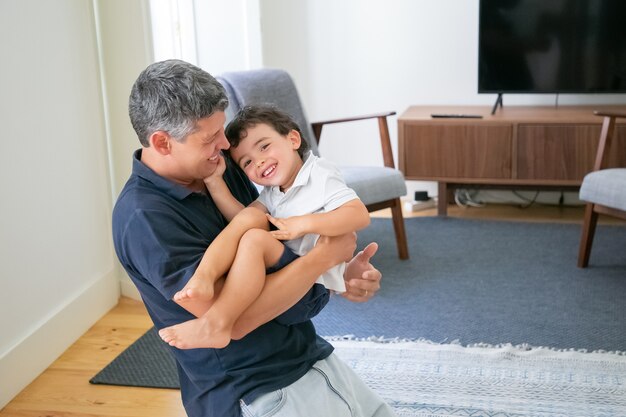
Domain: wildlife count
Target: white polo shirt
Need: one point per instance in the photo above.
(318, 188)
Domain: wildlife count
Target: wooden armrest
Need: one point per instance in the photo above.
(609, 113)
(606, 136)
(352, 119)
(383, 130)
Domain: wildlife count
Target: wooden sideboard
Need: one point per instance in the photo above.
(518, 147)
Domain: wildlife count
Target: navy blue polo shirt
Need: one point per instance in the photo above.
(160, 232)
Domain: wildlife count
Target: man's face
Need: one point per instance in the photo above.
(198, 156)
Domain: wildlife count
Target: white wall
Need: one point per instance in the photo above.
(354, 57)
(228, 35)
(126, 49)
(59, 273)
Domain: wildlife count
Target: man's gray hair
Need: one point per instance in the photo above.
(172, 96)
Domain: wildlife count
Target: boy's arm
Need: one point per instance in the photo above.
(349, 217)
(226, 203)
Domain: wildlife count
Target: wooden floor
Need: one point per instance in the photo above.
(63, 390)
(511, 212)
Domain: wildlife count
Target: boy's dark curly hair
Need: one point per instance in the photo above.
(250, 116)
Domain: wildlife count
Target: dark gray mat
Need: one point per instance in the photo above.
(145, 363)
(467, 281)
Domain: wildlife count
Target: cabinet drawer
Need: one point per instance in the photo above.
(457, 151)
(562, 152)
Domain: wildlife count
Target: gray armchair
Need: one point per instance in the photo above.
(604, 190)
(377, 187)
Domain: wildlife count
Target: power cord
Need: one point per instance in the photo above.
(462, 198)
(529, 202)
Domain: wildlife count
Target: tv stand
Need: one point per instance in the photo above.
(496, 104)
(520, 147)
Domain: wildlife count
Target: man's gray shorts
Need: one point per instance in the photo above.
(330, 388)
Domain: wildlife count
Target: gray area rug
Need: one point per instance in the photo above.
(468, 282)
(491, 282)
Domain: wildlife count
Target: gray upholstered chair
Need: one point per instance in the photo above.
(603, 189)
(377, 187)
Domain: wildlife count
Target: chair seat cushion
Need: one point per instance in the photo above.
(374, 184)
(606, 187)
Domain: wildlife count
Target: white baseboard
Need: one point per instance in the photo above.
(30, 357)
(128, 288)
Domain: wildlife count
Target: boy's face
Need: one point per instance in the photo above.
(267, 157)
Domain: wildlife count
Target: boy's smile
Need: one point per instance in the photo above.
(268, 172)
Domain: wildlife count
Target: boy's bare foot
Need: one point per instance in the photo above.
(198, 288)
(197, 333)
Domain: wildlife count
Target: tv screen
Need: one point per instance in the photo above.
(552, 46)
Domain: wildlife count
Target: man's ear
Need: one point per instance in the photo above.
(160, 141)
(295, 138)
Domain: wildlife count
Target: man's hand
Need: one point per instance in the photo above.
(362, 279)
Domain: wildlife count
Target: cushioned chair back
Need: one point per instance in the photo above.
(266, 86)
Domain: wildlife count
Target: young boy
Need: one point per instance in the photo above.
(304, 197)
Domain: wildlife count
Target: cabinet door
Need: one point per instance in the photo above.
(456, 151)
(563, 152)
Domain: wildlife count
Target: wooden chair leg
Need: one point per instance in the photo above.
(586, 239)
(442, 199)
(398, 226)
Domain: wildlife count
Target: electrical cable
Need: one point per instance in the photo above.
(463, 199)
(457, 200)
(529, 202)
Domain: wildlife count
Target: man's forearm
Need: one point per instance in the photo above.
(307, 307)
(282, 290)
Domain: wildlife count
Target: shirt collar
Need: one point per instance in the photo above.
(143, 171)
(305, 171)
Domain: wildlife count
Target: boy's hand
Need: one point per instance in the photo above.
(362, 279)
(288, 228)
(217, 174)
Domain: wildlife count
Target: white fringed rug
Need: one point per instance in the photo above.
(440, 380)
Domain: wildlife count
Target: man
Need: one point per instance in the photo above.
(163, 222)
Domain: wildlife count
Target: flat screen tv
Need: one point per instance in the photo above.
(552, 46)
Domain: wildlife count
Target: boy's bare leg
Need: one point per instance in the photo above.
(245, 281)
(220, 254)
